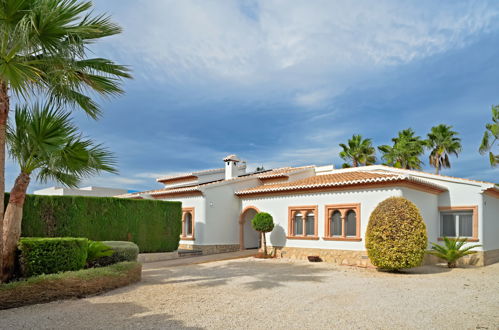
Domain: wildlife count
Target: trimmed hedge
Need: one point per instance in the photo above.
(122, 251)
(67, 285)
(51, 255)
(154, 225)
(396, 235)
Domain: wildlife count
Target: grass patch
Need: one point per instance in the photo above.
(74, 284)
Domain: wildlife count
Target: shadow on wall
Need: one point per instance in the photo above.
(278, 236)
(258, 275)
(94, 315)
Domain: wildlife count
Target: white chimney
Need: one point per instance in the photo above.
(231, 168)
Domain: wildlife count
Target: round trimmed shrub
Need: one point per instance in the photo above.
(396, 235)
(263, 222)
(122, 251)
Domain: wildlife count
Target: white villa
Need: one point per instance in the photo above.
(322, 211)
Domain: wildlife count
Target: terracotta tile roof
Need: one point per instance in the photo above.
(188, 175)
(167, 191)
(280, 172)
(336, 179)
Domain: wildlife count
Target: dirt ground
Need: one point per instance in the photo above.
(279, 294)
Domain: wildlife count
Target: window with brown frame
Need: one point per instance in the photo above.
(187, 223)
(303, 222)
(342, 222)
(459, 221)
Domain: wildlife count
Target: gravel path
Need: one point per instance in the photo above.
(257, 294)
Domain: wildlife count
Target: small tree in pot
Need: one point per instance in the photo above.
(263, 223)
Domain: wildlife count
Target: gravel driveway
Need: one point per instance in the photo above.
(257, 294)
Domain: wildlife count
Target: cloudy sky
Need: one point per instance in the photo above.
(282, 83)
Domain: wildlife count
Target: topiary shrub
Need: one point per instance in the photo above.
(51, 255)
(264, 223)
(122, 251)
(396, 235)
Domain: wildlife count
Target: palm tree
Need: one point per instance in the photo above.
(405, 152)
(45, 143)
(359, 151)
(490, 137)
(442, 142)
(43, 52)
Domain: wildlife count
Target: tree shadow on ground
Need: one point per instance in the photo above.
(83, 314)
(262, 274)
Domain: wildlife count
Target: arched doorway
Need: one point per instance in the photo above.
(248, 237)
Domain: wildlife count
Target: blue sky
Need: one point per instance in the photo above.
(282, 83)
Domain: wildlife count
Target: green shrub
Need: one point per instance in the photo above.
(97, 250)
(452, 250)
(396, 235)
(154, 225)
(122, 251)
(264, 223)
(51, 255)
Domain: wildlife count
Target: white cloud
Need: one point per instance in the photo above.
(290, 44)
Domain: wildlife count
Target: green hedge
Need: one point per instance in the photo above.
(154, 225)
(52, 255)
(122, 251)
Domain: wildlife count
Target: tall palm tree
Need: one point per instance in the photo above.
(359, 151)
(405, 152)
(490, 137)
(442, 142)
(46, 144)
(43, 52)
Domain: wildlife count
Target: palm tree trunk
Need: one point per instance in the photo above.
(4, 114)
(12, 225)
(355, 163)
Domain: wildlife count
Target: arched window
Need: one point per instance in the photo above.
(336, 223)
(188, 224)
(188, 220)
(342, 222)
(298, 224)
(310, 224)
(351, 223)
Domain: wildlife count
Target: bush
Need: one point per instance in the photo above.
(264, 223)
(396, 235)
(154, 225)
(51, 255)
(97, 250)
(122, 251)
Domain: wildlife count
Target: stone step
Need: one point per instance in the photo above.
(189, 253)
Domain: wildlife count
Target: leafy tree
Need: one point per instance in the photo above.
(452, 250)
(405, 152)
(43, 52)
(490, 136)
(442, 141)
(45, 143)
(358, 151)
(263, 223)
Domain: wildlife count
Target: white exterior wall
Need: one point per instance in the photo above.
(277, 206)
(85, 191)
(198, 203)
(491, 223)
(428, 207)
(223, 209)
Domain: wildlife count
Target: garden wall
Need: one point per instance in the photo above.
(154, 225)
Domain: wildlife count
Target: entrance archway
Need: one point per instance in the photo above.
(248, 237)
